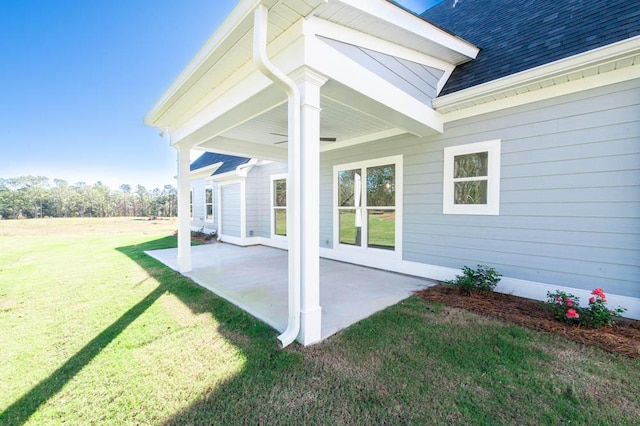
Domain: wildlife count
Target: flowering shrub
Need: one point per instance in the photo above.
(598, 314)
(566, 308)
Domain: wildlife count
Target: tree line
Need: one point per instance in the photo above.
(37, 196)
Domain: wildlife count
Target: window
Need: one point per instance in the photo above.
(367, 203)
(279, 205)
(472, 179)
(208, 204)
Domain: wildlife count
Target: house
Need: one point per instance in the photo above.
(205, 174)
(481, 132)
(230, 196)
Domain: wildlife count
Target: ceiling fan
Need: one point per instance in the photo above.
(322, 139)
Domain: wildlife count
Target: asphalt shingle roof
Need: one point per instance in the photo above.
(229, 162)
(516, 35)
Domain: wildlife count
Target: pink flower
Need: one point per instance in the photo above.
(598, 292)
(559, 299)
(571, 313)
(592, 300)
(569, 302)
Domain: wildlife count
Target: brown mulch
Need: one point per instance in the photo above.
(622, 338)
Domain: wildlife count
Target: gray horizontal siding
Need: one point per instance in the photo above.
(259, 199)
(198, 186)
(418, 80)
(570, 192)
(252, 205)
(230, 199)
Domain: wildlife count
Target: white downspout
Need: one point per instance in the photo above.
(293, 184)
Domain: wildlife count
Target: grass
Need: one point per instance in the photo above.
(95, 332)
(381, 228)
(280, 218)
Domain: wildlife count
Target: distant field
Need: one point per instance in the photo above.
(84, 225)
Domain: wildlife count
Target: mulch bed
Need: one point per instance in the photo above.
(622, 338)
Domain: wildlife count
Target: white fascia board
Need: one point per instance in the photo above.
(286, 52)
(244, 10)
(418, 118)
(555, 69)
(204, 171)
(324, 28)
(385, 11)
(316, 26)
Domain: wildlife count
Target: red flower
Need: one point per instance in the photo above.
(559, 299)
(569, 302)
(592, 300)
(571, 313)
(598, 292)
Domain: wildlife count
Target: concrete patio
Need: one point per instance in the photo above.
(255, 279)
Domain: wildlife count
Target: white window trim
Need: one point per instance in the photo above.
(213, 210)
(364, 249)
(493, 179)
(272, 224)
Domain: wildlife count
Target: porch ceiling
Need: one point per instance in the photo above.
(337, 121)
(226, 59)
(225, 53)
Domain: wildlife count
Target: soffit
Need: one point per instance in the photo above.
(223, 55)
(337, 121)
(619, 56)
(230, 49)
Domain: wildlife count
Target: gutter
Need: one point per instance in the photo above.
(261, 21)
(520, 80)
(243, 169)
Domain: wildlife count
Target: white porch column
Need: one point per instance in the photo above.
(309, 84)
(184, 219)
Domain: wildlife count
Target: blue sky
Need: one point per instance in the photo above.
(77, 77)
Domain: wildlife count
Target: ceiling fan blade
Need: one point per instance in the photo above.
(322, 139)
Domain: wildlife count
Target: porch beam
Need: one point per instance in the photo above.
(231, 146)
(308, 206)
(184, 219)
(355, 86)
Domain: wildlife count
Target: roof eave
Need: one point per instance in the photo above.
(542, 72)
(240, 13)
(205, 171)
(410, 21)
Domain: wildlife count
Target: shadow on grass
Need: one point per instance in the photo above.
(237, 398)
(387, 369)
(18, 412)
(250, 336)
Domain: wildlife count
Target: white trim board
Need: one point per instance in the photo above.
(254, 241)
(523, 288)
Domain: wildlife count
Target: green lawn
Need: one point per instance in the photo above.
(382, 229)
(95, 332)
